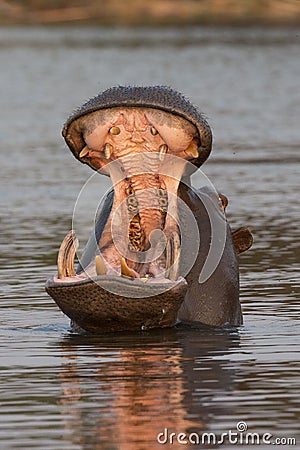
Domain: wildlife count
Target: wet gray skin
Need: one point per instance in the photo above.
(148, 140)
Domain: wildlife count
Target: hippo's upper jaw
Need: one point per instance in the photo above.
(144, 151)
(143, 138)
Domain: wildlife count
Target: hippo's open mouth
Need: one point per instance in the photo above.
(143, 138)
(144, 151)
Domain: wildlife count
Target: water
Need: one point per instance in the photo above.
(64, 391)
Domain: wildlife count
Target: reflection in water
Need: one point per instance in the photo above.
(126, 390)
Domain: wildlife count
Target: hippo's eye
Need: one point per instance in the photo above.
(153, 131)
(115, 130)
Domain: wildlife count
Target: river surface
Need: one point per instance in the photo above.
(67, 391)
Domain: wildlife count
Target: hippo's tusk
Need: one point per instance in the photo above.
(100, 265)
(126, 271)
(192, 151)
(172, 257)
(84, 151)
(66, 255)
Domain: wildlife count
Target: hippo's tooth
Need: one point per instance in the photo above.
(172, 257)
(153, 131)
(162, 151)
(100, 265)
(107, 150)
(115, 130)
(126, 271)
(66, 255)
(192, 151)
(84, 152)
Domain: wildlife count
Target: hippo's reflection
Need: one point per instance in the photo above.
(121, 393)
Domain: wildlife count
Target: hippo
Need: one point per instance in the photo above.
(161, 251)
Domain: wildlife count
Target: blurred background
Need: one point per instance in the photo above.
(154, 12)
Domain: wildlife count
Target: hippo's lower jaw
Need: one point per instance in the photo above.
(98, 302)
(90, 303)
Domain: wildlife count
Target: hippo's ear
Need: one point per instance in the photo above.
(242, 239)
